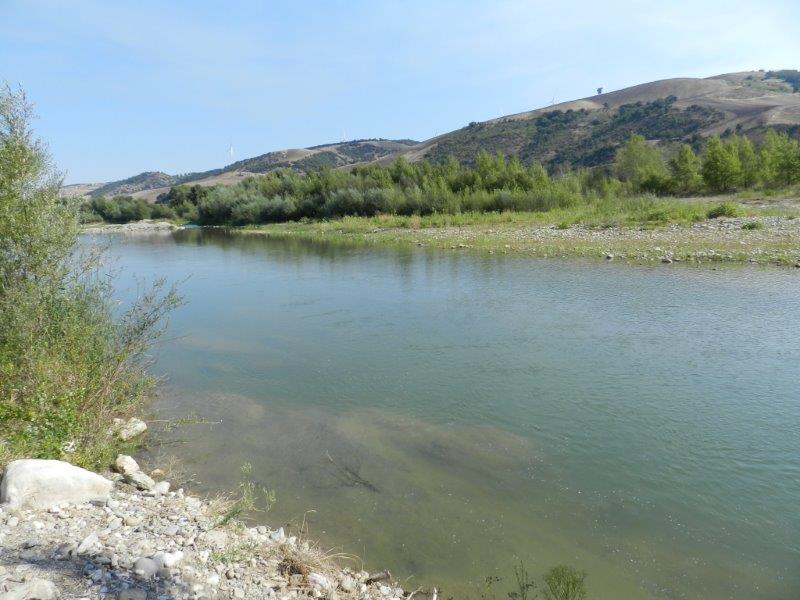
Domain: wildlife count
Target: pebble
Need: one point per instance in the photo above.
(170, 540)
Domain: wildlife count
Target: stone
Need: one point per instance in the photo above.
(216, 538)
(319, 580)
(37, 483)
(348, 583)
(126, 464)
(35, 589)
(168, 559)
(133, 594)
(141, 480)
(145, 568)
(132, 520)
(161, 488)
(88, 543)
(65, 551)
(129, 429)
(238, 593)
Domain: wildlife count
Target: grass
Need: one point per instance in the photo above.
(641, 228)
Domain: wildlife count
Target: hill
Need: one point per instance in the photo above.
(587, 132)
(579, 133)
(151, 184)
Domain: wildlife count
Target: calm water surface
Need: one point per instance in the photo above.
(448, 415)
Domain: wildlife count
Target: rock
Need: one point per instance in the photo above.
(319, 580)
(126, 464)
(36, 483)
(65, 551)
(146, 568)
(157, 473)
(238, 593)
(133, 594)
(12, 521)
(132, 520)
(129, 429)
(348, 583)
(216, 538)
(88, 543)
(141, 480)
(161, 488)
(35, 589)
(168, 559)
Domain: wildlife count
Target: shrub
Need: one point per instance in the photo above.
(753, 225)
(725, 209)
(565, 583)
(69, 362)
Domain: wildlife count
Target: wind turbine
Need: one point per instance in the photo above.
(230, 149)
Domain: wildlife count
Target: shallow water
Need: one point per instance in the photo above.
(448, 415)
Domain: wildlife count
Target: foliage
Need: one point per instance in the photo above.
(685, 171)
(247, 498)
(641, 165)
(565, 583)
(68, 365)
(790, 76)
(725, 209)
(123, 209)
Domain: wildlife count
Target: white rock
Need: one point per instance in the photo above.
(36, 483)
(126, 464)
(319, 580)
(88, 543)
(213, 580)
(168, 559)
(140, 480)
(161, 488)
(129, 429)
(35, 589)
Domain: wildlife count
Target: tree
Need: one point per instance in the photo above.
(69, 361)
(721, 170)
(751, 167)
(599, 91)
(639, 163)
(685, 168)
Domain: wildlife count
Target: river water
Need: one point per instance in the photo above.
(449, 415)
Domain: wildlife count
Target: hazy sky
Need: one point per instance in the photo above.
(123, 87)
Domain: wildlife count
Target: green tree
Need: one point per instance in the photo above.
(639, 163)
(67, 365)
(721, 170)
(685, 169)
(748, 159)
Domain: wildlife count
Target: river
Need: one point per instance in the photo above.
(448, 415)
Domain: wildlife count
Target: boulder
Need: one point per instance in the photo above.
(129, 429)
(37, 483)
(126, 464)
(140, 480)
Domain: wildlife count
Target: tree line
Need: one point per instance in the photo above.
(491, 184)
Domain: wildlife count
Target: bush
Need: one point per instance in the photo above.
(68, 365)
(565, 583)
(753, 225)
(725, 209)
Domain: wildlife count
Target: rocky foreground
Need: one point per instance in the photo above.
(69, 533)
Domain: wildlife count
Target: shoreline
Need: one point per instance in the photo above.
(774, 241)
(142, 541)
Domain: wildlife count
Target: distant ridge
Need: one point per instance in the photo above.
(579, 133)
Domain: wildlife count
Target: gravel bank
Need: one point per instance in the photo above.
(160, 544)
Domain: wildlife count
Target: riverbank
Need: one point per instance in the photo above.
(753, 239)
(142, 541)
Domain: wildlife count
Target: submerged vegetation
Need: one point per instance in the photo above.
(69, 362)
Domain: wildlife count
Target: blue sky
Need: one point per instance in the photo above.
(124, 87)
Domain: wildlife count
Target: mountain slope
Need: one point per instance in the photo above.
(587, 132)
(151, 184)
